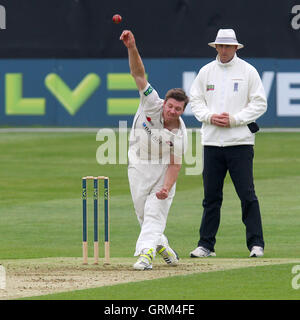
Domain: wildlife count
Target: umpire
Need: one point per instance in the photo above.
(227, 96)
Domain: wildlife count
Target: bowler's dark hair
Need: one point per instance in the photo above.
(177, 94)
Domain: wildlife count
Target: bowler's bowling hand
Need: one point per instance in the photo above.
(162, 194)
(128, 38)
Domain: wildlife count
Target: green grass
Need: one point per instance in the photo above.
(40, 202)
(253, 283)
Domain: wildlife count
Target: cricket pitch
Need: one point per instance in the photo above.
(35, 277)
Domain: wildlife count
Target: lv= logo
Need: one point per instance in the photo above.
(72, 100)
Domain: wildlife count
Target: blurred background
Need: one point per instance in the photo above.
(62, 63)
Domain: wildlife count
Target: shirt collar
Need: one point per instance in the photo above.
(179, 130)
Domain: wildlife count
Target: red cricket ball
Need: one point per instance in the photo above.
(116, 18)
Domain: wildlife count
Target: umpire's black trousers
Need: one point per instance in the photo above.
(238, 160)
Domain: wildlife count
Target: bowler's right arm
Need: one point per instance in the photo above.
(135, 61)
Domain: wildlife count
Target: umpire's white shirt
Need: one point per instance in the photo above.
(234, 87)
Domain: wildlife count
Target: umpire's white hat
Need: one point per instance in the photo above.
(226, 36)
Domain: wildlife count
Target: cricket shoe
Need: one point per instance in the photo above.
(201, 252)
(144, 261)
(168, 254)
(256, 251)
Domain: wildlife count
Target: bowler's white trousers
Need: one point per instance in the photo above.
(145, 180)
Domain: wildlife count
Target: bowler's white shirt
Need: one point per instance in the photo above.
(150, 142)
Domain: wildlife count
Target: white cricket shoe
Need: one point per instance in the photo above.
(168, 254)
(201, 252)
(144, 261)
(256, 251)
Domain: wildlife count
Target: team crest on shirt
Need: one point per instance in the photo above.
(210, 87)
